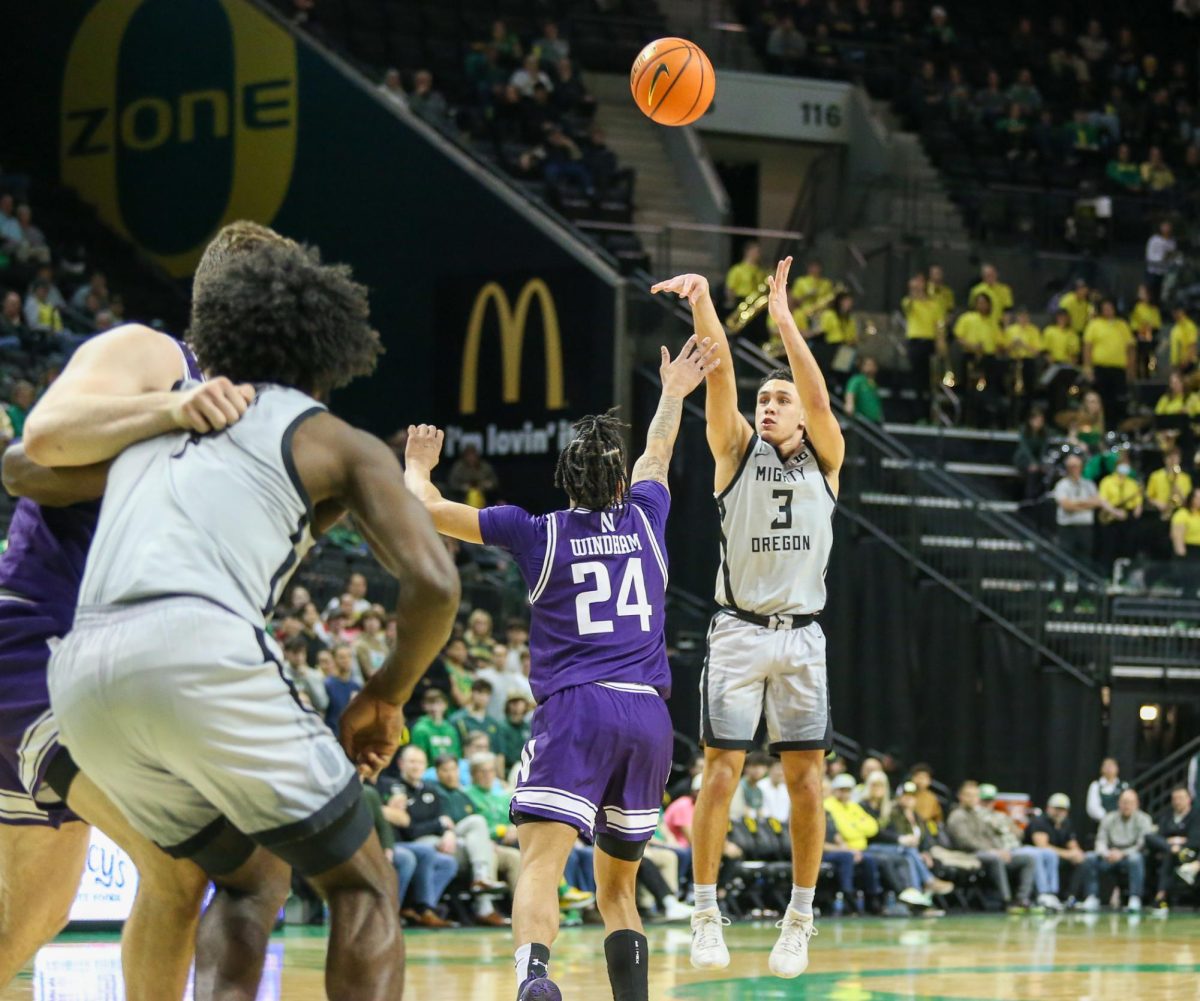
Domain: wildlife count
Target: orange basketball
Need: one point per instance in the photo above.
(672, 81)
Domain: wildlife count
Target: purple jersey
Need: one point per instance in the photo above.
(597, 587)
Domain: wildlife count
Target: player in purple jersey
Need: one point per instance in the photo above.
(116, 390)
(599, 753)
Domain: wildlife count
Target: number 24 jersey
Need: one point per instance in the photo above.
(597, 589)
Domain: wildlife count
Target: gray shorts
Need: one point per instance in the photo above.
(752, 669)
(179, 711)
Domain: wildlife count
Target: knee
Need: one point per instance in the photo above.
(176, 883)
(721, 775)
(804, 784)
(613, 896)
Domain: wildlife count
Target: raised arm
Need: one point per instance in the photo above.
(821, 423)
(728, 431)
(421, 455)
(116, 390)
(340, 466)
(679, 378)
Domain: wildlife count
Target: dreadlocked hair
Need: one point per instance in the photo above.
(783, 374)
(591, 469)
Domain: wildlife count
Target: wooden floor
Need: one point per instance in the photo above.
(1078, 958)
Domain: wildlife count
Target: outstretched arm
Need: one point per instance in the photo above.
(116, 390)
(728, 431)
(679, 378)
(421, 455)
(821, 424)
(341, 466)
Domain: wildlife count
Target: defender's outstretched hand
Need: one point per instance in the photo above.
(424, 447)
(777, 304)
(687, 370)
(693, 288)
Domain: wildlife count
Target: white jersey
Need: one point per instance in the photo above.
(776, 533)
(219, 516)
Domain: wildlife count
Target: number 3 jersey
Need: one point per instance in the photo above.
(776, 533)
(597, 589)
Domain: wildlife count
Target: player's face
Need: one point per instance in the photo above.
(778, 415)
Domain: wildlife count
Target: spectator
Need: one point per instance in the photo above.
(1185, 538)
(570, 96)
(429, 824)
(1123, 172)
(353, 601)
(13, 332)
(1053, 830)
(1176, 841)
(473, 717)
(1032, 443)
(924, 318)
(457, 666)
(1160, 248)
(32, 245)
(677, 818)
(1145, 321)
(97, 286)
(809, 292)
(308, 681)
(23, 398)
(490, 801)
(505, 685)
(747, 277)
(1078, 303)
(313, 630)
(552, 47)
(432, 733)
(1092, 44)
(1110, 358)
(927, 804)
(990, 101)
(939, 291)
(41, 314)
(419, 868)
(326, 664)
(1045, 861)
(912, 832)
(340, 686)
(10, 229)
(939, 33)
(1105, 792)
(528, 76)
(1156, 175)
(506, 43)
(516, 638)
(977, 337)
(1183, 338)
(473, 478)
(1119, 845)
(1025, 93)
(1168, 489)
(513, 730)
(775, 801)
(997, 291)
(851, 868)
(371, 647)
(758, 764)
(428, 104)
(869, 766)
(392, 88)
(1022, 343)
(970, 831)
(838, 329)
(478, 636)
(877, 802)
(1124, 500)
(862, 394)
(786, 47)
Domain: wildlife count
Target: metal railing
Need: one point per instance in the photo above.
(659, 238)
(1154, 785)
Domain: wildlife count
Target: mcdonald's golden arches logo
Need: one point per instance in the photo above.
(512, 319)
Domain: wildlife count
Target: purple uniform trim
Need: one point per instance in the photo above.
(597, 759)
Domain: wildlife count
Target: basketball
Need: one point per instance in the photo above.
(672, 81)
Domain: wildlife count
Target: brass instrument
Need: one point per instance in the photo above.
(752, 305)
(1127, 504)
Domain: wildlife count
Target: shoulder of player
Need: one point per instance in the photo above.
(131, 347)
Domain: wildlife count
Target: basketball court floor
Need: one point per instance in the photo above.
(974, 958)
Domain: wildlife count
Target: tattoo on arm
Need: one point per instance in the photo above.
(649, 467)
(660, 441)
(666, 420)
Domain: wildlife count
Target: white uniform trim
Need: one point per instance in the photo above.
(558, 800)
(628, 686)
(662, 563)
(630, 825)
(39, 737)
(548, 561)
(16, 806)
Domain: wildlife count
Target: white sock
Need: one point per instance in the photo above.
(484, 905)
(706, 896)
(522, 956)
(481, 872)
(802, 898)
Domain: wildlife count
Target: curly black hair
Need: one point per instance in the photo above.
(591, 469)
(783, 374)
(275, 313)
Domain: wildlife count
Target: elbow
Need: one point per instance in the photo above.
(438, 581)
(15, 470)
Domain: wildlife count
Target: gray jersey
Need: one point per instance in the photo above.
(776, 534)
(219, 516)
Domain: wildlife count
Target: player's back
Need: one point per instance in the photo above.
(597, 589)
(221, 516)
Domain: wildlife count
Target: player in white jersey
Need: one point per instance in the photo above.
(168, 691)
(776, 486)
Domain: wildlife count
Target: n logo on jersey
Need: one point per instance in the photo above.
(179, 116)
(606, 522)
(512, 320)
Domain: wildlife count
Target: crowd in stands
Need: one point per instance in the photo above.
(896, 843)
(1102, 105)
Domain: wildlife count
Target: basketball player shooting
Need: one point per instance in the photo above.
(599, 754)
(776, 486)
